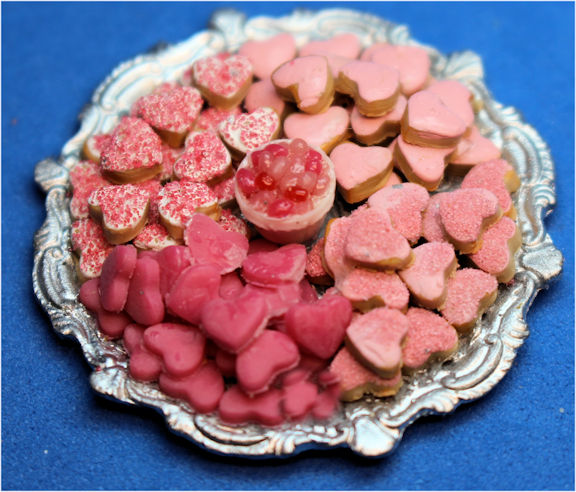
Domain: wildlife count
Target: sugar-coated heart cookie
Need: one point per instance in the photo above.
(499, 243)
(263, 94)
(144, 365)
(360, 171)
(269, 269)
(210, 118)
(223, 79)
(432, 229)
(470, 293)
(457, 97)
(134, 153)
(117, 271)
(89, 242)
(374, 88)
(355, 380)
(372, 131)
(315, 270)
(144, 302)
(335, 261)
(279, 298)
(266, 55)
(346, 44)
(405, 204)
(224, 191)
(465, 214)
(85, 177)
(247, 132)
(471, 150)
(236, 407)
(232, 223)
(307, 81)
(429, 335)
(94, 144)
(181, 347)
(324, 130)
(427, 278)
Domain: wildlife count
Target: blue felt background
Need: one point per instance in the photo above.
(57, 434)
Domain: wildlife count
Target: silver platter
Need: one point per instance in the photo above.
(370, 427)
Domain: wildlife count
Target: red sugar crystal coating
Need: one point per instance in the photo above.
(224, 191)
(170, 107)
(143, 365)
(314, 266)
(88, 238)
(272, 353)
(247, 132)
(298, 399)
(222, 74)
(232, 223)
(494, 255)
(180, 346)
(123, 206)
(428, 334)
(154, 237)
(202, 389)
(205, 158)
(144, 302)
(134, 145)
(117, 271)
(211, 118)
(96, 144)
(179, 200)
(432, 229)
(85, 177)
(169, 158)
(236, 407)
(335, 261)
(284, 265)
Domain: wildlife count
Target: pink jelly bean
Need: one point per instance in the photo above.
(144, 303)
(143, 365)
(285, 265)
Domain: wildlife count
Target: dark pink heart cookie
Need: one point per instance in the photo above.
(236, 407)
(144, 302)
(117, 271)
(144, 365)
(284, 265)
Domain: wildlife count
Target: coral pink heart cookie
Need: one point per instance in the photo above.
(307, 81)
(457, 97)
(144, 301)
(372, 131)
(117, 271)
(375, 339)
(470, 293)
(374, 88)
(465, 214)
(324, 130)
(271, 354)
(223, 79)
(346, 44)
(427, 278)
(355, 380)
(499, 243)
(263, 94)
(266, 55)
(497, 176)
(429, 335)
(144, 365)
(249, 131)
(85, 177)
(319, 328)
(372, 242)
(231, 286)
(134, 153)
(278, 299)
(236, 407)
(270, 269)
(470, 151)
(89, 242)
(405, 204)
(180, 346)
(360, 171)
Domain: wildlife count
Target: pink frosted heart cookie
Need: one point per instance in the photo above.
(278, 299)
(472, 149)
(315, 270)
(346, 44)
(323, 130)
(263, 94)
(271, 354)
(117, 271)
(427, 278)
(432, 229)
(223, 79)
(429, 336)
(470, 293)
(499, 243)
(85, 177)
(144, 365)
(307, 81)
(266, 55)
(144, 301)
(374, 88)
(134, 153)
(335, 262)
(171, 110)
(355, 380)
(372, 131)
(247, 132)
(497, 176)
(405, 204)
(360, 171)
(270, 269)
(373, 242)
(457, 97)
(210, 118)
(236, 407)
(465, 214)
(94, 144)
(89, 242)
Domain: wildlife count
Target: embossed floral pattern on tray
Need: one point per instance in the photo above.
(370, 427)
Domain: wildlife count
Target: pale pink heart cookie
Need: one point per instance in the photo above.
(122, 210)
(324, 130)
(205, 159)
(247, 132)
(470, 293)
(154, 237)
(144, 301)
(372, 131)
(374, 88)
(143, 365)
(263, 94)
(85, 177)
(432, 229)
(429, 336)
(360, 171)
(117, 271)
(346, 44)
(171, 110)
(405, 203)
(429, 122)
(134, 153)
(181, 347)
(307, 81)
(179, 200)
(375, 339)
(393, 180)
(497, 176)
(470, 151)
(266, 55)
(499, 243)
(427, 278)
(271, 354)
(373, 242)
(412, 62)
(465, 214)
(421, 165)
(89, 242)
(236, 407)
(94, 144)
(315, 270)
(457, 97)
(355, 380)
(210, 118)
(335, 62)
(223, 79)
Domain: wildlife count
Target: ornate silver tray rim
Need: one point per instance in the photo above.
(370, 427)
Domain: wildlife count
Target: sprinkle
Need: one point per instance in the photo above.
(154, 237)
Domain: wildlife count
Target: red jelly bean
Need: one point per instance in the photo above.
(276, 150)
(264, 182)
(296, 194)
(246, 181)
(313, 161)
(280, 208)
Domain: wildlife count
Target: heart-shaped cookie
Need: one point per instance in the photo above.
(472, 149)
(372, 131)
(236, 407)
(85, 177)
(88, 240)
(335, 262)
(144, 302)
(346, 44)
(143, 365)
(315, 270)
(432, 229)
(298, 399)
(172, 260)
(278, 299)
(154, 237)
(263, 94)
(457, 97)
(270, 269)
(266, 55)
(117, 271)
